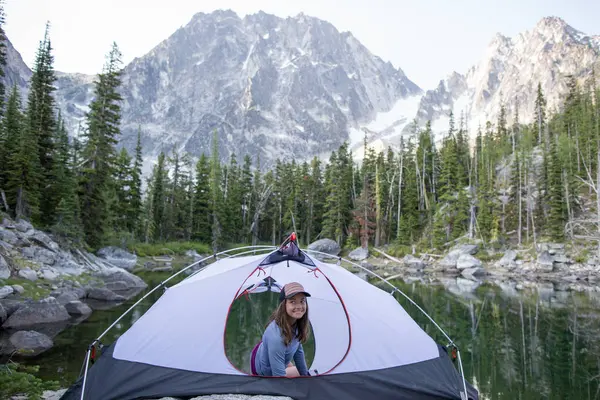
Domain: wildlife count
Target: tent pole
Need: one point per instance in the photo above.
(462, 374)
(87, 359)
(395, 289)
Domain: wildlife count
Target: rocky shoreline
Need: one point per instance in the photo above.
(47, 289)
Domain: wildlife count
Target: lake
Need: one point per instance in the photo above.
(515, 344)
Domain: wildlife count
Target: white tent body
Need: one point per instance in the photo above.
(357, 326)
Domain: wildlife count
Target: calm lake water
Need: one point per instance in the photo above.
(514, 345)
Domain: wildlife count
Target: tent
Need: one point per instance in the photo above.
(366, 345)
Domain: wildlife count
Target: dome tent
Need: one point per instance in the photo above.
(366, 345)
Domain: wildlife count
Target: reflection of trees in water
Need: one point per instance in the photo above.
(516, 348)
(248, 318)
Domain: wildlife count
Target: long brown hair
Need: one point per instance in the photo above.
(282, 319)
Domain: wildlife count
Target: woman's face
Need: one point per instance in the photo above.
(296, 306)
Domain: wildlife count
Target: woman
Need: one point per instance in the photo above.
(283, 338)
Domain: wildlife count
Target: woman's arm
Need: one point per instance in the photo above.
(300, 361)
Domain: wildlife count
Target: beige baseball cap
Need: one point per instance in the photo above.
(291, 289)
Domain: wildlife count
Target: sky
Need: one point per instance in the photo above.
(428, 39)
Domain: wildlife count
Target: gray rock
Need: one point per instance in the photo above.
(359, 254)
(11, 305)
(466, 261)
(49, 274)
(122, 276)
(561, 258)
(326, 246)
(467, 248)
(30, 343)
(472, 273)
(118, 257)
(44, 240)
(6, 291)
(28, 273)
(3, 314)
(117, 285)
(451, 259)
(23, 226)
(53, 395)
(545, 261)
(67, 296)
(8, 236)
(35, 313)
(104, 294)
(4, 268)
(18, 289)
(411, 261)
(367, 265)
(509, 257)
(76, 307)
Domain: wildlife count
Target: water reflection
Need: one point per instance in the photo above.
(528, 346)
(514, 344)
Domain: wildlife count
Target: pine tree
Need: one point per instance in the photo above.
(202, 217)
(99, 153)
(41, 121)
(158, 194)
(135, 209)
(216, 198)
(23, 172)
(556, 202)
(67, 222)
(122, 188)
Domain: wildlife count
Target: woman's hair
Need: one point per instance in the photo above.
(282, 319)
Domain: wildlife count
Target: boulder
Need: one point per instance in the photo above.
(508, 257)
(411, 261)
(18, 289)
(23, 226)
(545, 261)
(104, 294)
(118, 257)
(30, 343)
(6, 291)
(8, 236)
(76, 307)
(48, 274)
(467, 248)
(466, 261)
(3, 314)
(359, 254)
(450, 260)
(473, 273)
(28, 273)
(123, 277)
(44, 240)
(4, 268)
(326, 246)
(34, 313)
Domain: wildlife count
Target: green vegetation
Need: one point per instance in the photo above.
(16, 379)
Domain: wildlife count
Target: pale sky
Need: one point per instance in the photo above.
(428, 39)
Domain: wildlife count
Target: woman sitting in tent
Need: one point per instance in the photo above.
(283, 338)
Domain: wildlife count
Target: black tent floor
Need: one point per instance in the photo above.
(113, 379)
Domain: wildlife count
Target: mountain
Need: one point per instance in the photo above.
(270, 87)
(16, 72)
(509, 74)
(297, 87)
